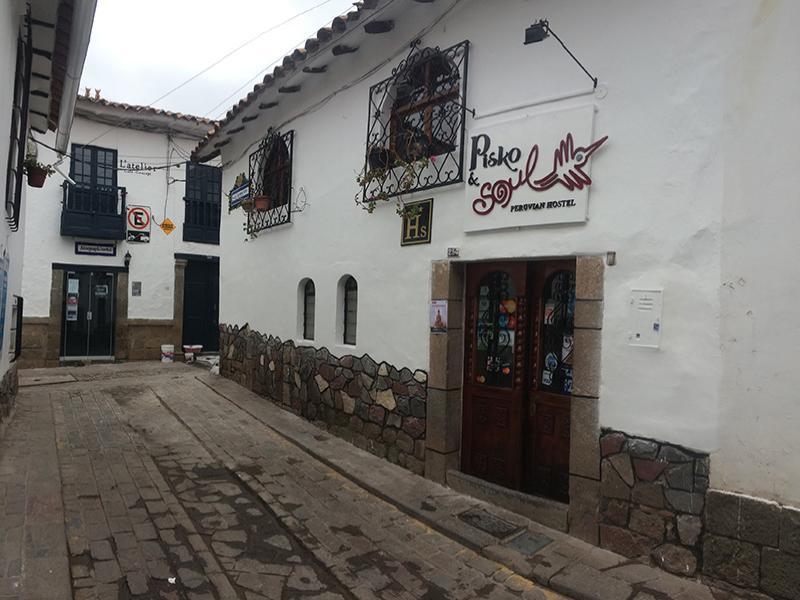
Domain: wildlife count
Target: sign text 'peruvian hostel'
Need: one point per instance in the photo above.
(531, 171)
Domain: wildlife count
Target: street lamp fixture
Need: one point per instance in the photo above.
(127, 259)
(540, 31)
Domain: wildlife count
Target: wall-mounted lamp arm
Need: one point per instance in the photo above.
(540, 30)
(575, 58)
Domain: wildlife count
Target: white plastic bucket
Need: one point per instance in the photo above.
(190, 350)
(167, 353)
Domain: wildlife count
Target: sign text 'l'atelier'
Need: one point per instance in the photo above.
(507, 187)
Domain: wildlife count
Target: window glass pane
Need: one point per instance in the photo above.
(557, 333)
(350, 311)
(495, 330)
(309, 302)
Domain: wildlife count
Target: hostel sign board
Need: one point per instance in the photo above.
(531, 171)
(139, 224)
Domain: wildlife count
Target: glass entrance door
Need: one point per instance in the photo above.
(88, 321)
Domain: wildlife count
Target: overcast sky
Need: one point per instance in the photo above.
(140, 50)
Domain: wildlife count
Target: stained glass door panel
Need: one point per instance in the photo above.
(494, 377)
(551, 361)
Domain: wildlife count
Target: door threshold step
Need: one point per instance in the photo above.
(542, 510)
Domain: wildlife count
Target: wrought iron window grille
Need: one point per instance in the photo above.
(418, 114)
(271, 182)
(19, 124)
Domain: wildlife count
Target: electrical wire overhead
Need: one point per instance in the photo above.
(261, 72)
(211, 66)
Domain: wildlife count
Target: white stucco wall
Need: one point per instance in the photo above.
(759, 446)
(152, 263)
(11, 242)
(663, 187)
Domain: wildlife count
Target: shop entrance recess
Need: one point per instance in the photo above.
(88, 315)
(201, 302)
(518, 374)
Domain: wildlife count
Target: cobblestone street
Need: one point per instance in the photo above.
(140, 481)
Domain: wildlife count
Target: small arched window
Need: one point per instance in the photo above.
(350, 310)
(309, 302)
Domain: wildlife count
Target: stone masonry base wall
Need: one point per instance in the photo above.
(656, 506)
(651, 500)
(8, 394)
(752, 543)
(377, 407)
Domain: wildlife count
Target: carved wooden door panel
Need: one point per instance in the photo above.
(495, 386)
(550, 382)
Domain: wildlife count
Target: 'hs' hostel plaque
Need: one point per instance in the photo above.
(417, 220)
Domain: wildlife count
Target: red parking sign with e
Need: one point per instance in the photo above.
(138, 224)
(138, 218)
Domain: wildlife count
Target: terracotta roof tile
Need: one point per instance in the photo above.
(338, 26)
(150, 110)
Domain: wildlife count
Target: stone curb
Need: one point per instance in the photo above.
(566, 564)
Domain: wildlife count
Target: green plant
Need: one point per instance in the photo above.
(372, 182)
(30, 163)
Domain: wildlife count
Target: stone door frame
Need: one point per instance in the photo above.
(445, 381)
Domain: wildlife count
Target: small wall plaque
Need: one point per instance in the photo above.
(417, 223)
(95, 249)
(136, 288)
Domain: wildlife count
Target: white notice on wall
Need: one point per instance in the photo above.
(645, 318)
(438, 316)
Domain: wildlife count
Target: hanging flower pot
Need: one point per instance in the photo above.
(37, 172)
(261, 202)
(247, 205)
(36, 177)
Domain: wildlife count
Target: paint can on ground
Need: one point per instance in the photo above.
(167, 353)
(190, 350)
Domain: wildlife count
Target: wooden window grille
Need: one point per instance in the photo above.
(309, 302)
(350, 311)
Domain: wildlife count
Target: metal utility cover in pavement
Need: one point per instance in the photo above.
(480, 519)
(528, 543)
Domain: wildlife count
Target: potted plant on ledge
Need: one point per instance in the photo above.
(36, 172)
(261, 202)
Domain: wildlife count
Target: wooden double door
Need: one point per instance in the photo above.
(518, 374)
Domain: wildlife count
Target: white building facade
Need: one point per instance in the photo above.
(117, 248)
(44, 44)
(594, 316)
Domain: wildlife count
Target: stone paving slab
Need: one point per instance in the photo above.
(44, 379)
(568, 565)
(138, 481)
(146, 480)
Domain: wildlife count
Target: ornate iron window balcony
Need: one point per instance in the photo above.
(271, 182)
(93, 211)
(416, 122)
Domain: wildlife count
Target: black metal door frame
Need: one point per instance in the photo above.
(88, 305)
(201, 277)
